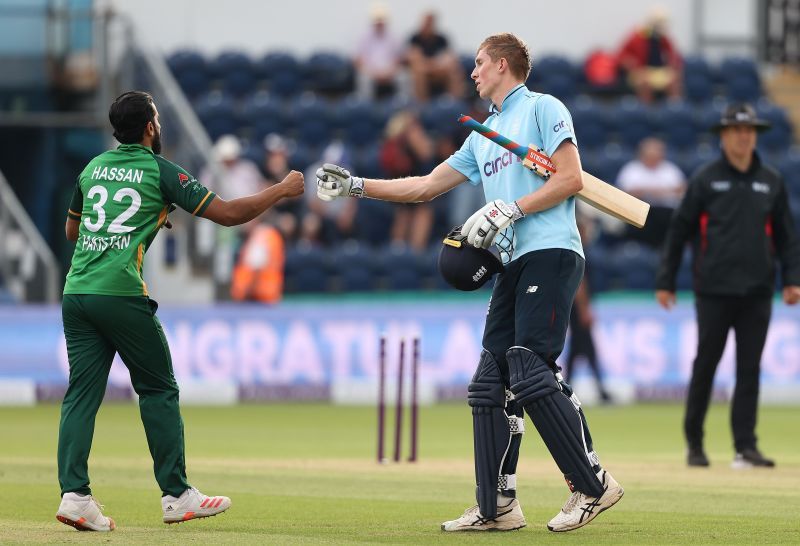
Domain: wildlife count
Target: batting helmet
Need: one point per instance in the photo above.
(463, 266)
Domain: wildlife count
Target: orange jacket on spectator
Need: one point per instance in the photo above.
(258, 274)
(634, 52)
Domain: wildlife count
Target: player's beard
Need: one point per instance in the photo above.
(157, 143)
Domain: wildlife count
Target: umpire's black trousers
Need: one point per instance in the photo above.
(749, 317)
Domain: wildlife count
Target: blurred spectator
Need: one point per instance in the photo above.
(650, 60)
(434, 66)
(329, 222)
(285, 215)
(258, 273)
(653, 178)
(409, 151)
(379, 55)
(240, 176)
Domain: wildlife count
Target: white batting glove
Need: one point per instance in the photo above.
(334, 181)
(482, 227)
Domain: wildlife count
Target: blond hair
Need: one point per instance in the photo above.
(511, 48)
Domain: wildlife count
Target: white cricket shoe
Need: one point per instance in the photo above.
(580, 509)
(84, 513)
(192, 504)
(509, 517)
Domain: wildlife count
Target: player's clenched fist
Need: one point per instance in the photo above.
(334, 181)
(294, 184)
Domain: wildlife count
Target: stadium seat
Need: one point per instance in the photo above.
(313, 120)
(401, 268)
(590, 122)
(742, 88)
(282, 73)
(550, 66)
(634, 121)
(779, 137)
(366, 160)
(307, 269)
(264, 114)
(235, 70)
(789, 167)
(217, 113)
(676, 122)
(374, 221)
(562, 86)
(440, 115)
(190, 71)
(359, 120)
(355, 264)
(329, 73)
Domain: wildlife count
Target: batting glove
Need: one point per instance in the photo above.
(482, 227)
(334, 181)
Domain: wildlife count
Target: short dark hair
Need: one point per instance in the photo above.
(129, 115)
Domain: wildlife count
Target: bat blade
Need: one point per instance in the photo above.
(601, 195)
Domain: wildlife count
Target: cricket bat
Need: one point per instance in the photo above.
(599, 194)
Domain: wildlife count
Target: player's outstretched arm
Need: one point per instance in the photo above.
(334, 181)
(244, 209)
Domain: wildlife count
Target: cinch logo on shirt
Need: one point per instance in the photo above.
(118, 173)
(558, 126)
(499, 163)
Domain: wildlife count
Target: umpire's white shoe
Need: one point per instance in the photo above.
(580, 509)
(84, 513)
(509, 517)
(192, 504)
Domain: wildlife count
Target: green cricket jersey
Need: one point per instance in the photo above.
(121, 200)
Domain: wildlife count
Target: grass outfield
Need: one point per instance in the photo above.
(305, 474)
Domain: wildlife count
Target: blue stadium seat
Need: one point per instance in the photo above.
(779, 137)
(440, 115)
(329, 73)
(307, 269)
(217, 113)
(696, 66)
(676, 122)
(742, 88)
(590, 122)
(562, 86)
(789, 167)
(401, 268)
(374, 221)
(360, 120)
(313, 120)
(634, 122)
(235, 70)
(366, 161)
(551, 66)
(356, 265)
(282, 72)
(190, 71)
(738, 67)
(698, 89)
(637, 264)
(264, 114)
(691, 160)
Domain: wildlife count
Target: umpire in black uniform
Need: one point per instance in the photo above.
(736, 215)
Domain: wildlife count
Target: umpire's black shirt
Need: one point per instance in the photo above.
(738, 223)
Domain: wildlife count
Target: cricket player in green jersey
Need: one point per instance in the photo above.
(121, 200)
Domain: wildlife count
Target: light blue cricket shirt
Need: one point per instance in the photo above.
(527, 118)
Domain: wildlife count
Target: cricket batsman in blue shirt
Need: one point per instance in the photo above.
(530, 305)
